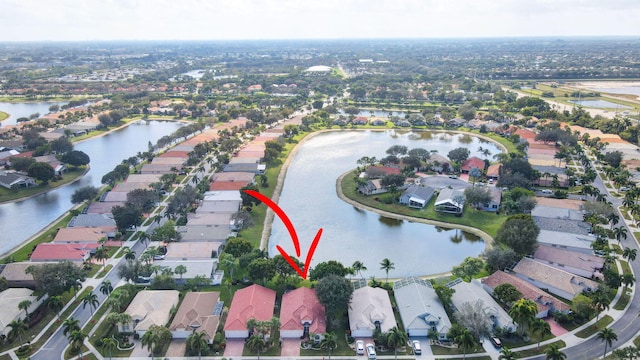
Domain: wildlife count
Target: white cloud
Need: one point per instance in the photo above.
(260, 19)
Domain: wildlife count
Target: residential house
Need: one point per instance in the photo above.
(227, 185)
(473, 292)
(150, 307)
(211, 219)
(253, 302)
(494, 203)
(62, 252)
(585, 265)
(378, 122)
(301, 314)
(493, 171)
(562, 225)
(547, 304)
(9, 311)
(417, 196)
(233, 176)
(567, 241)
(472, 162)
(370, 309)
(199, 312)
(456, 122)
(81, 234)
(207, 233)
(420, 308)
(439, 163)
(159, 169)
(554, 280)
(252, 168)
(192, 250)
(92, 220)
(10, 180)
(360, 120)
(372, 187)
(16, 274)
(450, 201)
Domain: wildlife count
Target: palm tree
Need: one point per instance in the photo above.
(109, 344)
(90, 299)
(395, 339)
(613, 218)
(70, 325)
(129, 254)
(600, 302)
(620, 233)
(359, 267)
(523, 312)
(149, 340)
(55, 304)
(608, 336)
(76, 339)
(256, 343)
(628, 280)
(18, 328)
(466, 341)
(24, 305)
(329, 341)
(506, 354)
(387, 265)
(101, 254)
(629, 254)
(553, 353)
(542, 328)
(198, 341)
(106, 287)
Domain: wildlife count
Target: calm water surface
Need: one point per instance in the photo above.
(18, 110)
(22, 219)
(349, 234)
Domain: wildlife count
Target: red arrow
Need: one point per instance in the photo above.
(292, 232)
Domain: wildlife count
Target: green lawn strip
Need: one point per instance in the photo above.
(625, 266)
(22, 254)
(69, 176)
(441, 350)
(343, 349)
(636, 341)
(486, 221)
(535, 351)
(592, 329)
(623, 301)
(3, 115)
(104, 271)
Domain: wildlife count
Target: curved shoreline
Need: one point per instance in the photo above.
(268, 221)
(46, 191)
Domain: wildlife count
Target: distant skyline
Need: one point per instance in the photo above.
(87, 20)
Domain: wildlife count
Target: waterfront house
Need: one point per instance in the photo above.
(420, 308)
(370, 309)
(253, 302)
(301, 314)
(199, 312)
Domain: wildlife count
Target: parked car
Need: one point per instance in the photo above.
(624, 188)
(453, 176)
(371, 352)
(360, 347)
(546, 191)
(496, 341)
(416, 347)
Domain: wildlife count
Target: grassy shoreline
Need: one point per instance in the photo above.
(4, 115)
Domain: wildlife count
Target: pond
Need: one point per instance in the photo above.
(377, 113)
(349, 234)
(18, 110)
(105, 152)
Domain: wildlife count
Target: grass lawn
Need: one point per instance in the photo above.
(440, 350)
(22, 254)
(533, 352)
(625, 266)
(601, 324)
(104, 271)
(624, 300)
(69, 176)
(3, 115)
(488, 222)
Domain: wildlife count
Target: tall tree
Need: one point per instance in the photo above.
(358, 267)
(90, 299)
(520, 233)
(256, 343)
(387, 265)
(553, 352)
(466, 341)
(396, 338)
(334, 293)
(197, 341)
(18, 328)
(542, 328)
(106, 287)
(55, 304)
(329, 342)
(109, 344)
(523, 312)
(608, 336)
(24, 305)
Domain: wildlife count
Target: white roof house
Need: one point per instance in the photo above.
(474, 292)
(420, 308)
(9, 300)
(370, 308)
(150, 307)
(222, 195)
(567, 241)
(450, 201)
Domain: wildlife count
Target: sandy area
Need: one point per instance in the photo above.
(603, 84)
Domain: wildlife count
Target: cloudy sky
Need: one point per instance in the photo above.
(34, 20)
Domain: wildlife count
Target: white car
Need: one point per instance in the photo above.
(360, 347)
(416, 347)
(371, 352)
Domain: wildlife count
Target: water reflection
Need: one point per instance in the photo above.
(389, 221)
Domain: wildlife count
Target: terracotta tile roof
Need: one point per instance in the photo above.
(300, 305)
(387, 170)
(255, 302)
(572, 259)
(84, 234)
(59, 252)
(175, 154)
(227, 185)
(543, 300)
(494, 170)
(472, 162)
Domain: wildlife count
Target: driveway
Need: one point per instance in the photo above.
(177, 348)
(289, 347)
(234, 347)
(439, 181)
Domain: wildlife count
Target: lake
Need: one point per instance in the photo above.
(20, 220)
(349, 234)
(600, 104)
(18, 110)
